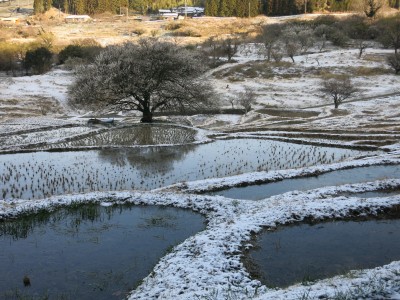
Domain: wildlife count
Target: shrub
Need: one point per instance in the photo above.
(325, 20)
(394, 61)
(9, 57)
(338, 38)
(38, 61)
(86, 50)
(71, 51)
(139, 31)
(173, 26)
(187, 31)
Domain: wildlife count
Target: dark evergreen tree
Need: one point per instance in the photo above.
(47, 4)
(38, 7)
(211, 8)
(223, 10)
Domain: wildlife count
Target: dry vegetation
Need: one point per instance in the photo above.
(111, 29)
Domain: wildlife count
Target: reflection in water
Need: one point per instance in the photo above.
(148, 159)
(302, 253)
(41, 174)
(88, 251)
(145, 134)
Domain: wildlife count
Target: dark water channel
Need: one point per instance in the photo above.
(302, 253)
(88, 252)
(41, 174)
(356, 175)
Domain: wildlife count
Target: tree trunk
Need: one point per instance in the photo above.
(147, 112)
(147, 116)
(336, 101)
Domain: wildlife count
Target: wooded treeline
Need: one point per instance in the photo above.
(92, 7)
(222, 8)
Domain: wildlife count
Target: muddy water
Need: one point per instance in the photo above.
(257, 192)
(88, 252)
(41, 174)
(304, 253)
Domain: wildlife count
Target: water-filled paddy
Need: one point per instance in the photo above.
(302, 253)
(89, 252)
(364, 174)
(133, 135)
(40, 174)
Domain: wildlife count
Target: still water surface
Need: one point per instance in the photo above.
(304, 252)
(356, 175)
(41, 174)
(89, 251)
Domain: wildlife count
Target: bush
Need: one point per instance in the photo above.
(187, 31)
(139, 31)
(394, 61)
(71, 51)
(38, 61)
(9, 57)
(325, 20)
(338, 38)
(86, 50)
(355, 27)
(73, 62)
(173, 26)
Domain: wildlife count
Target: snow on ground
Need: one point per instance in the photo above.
(208, 265)
(53, 84)
(282, 91)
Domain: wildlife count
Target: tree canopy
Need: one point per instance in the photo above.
(339, 88)
(148, 76)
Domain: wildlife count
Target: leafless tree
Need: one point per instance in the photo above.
(292, 49)
(270, 37)
(390, 32)
(246, 99)
(230, 47)
(212, 49)
(394, 61)
(362, 45)
(297, 39)
(276, 54)
(339, 88)
(148, 76)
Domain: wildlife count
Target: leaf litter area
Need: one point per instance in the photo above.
(289, 107)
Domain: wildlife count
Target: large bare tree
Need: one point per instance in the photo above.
(148, 76)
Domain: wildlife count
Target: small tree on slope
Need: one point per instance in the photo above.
(339, 88)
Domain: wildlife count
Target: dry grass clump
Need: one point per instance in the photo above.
(366, 71)
(173, 25)
(187, 31)
(208, 27)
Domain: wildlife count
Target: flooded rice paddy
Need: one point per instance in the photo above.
(88, 251)
(356, 175)
(42, 174)
(133, 135)
(97, 137)
(303, 253)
